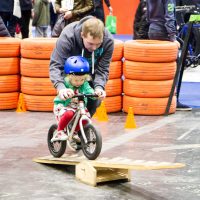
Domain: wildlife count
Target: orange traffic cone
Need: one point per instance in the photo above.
(21, 107)
(102, 113)
(95, 115)
(130, 120)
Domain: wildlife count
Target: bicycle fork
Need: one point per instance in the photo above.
(79, 117)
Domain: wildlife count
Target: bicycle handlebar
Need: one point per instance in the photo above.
(85, 95)
(185, 8)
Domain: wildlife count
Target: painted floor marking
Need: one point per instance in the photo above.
(120, 140)
(176, 147)
(187, 133)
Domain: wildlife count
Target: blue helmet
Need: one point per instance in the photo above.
(77, 65)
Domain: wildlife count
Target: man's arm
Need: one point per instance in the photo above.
(3, 30)
(102, 68)
(57, 5)
(107, 2)
(59, 55)
(88, 7)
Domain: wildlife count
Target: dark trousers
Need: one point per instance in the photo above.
(9, 21)
(92, 104)
(99, 13)
(53, 17)
(24, 22)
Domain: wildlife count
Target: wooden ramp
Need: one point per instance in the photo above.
(105, 169)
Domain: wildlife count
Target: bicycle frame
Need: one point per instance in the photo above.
(79, 116)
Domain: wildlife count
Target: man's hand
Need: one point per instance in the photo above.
(68, 15)
(101, 93)
(65, 94)
(62, 10)
(178, 44)
(110, 10)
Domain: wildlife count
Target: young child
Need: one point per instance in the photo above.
(41, 17)
(76, 81)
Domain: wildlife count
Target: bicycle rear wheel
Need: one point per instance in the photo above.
(92, 148)
(57, 149)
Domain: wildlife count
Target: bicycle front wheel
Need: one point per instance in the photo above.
(92, 148)
(57, 149)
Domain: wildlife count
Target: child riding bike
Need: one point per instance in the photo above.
(76, 81)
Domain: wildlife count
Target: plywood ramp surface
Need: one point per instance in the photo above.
(104, 162)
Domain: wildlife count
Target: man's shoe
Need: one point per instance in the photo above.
(182, 107)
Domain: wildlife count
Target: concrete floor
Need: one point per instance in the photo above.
(173, 138)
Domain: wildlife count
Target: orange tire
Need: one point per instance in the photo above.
(146, 89)
(113, 104)
(9, 47)
(149, 71)
(118, 50)
(9, 66)
(37, 86)
(8, 100)
(114, 87)
(9, 83)
(150, 50)
(148, 106)
(115, 70)
(38, 103)
(34, 67)
(39, 48)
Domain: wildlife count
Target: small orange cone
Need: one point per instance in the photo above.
(21, 107)
(102, 113)
(95, 115)
(130, 120)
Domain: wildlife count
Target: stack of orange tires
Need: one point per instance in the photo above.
(9, 72)
(113, 101)
(36, 86)
(149, 70)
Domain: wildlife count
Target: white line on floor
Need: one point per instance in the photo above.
(120, 140)
(175, 147)
(187, 133)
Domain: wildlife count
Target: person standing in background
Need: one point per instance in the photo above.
(53, 14)
(41, 17)
(3, 30)
(99, 10)
(24, 21)
(6, 13)
(74, 10)
(70, 11)
(162, 26)
(141, 25)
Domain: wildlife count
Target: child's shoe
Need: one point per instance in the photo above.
(59, 136)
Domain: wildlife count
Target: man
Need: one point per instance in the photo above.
(161, 18)
(3, 30)
(90, 39)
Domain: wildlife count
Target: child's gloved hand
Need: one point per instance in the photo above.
(65, 94)
(100, 92)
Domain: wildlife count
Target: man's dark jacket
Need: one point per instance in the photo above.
(3, 30)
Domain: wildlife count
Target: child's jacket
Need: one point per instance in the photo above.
(83, 89)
